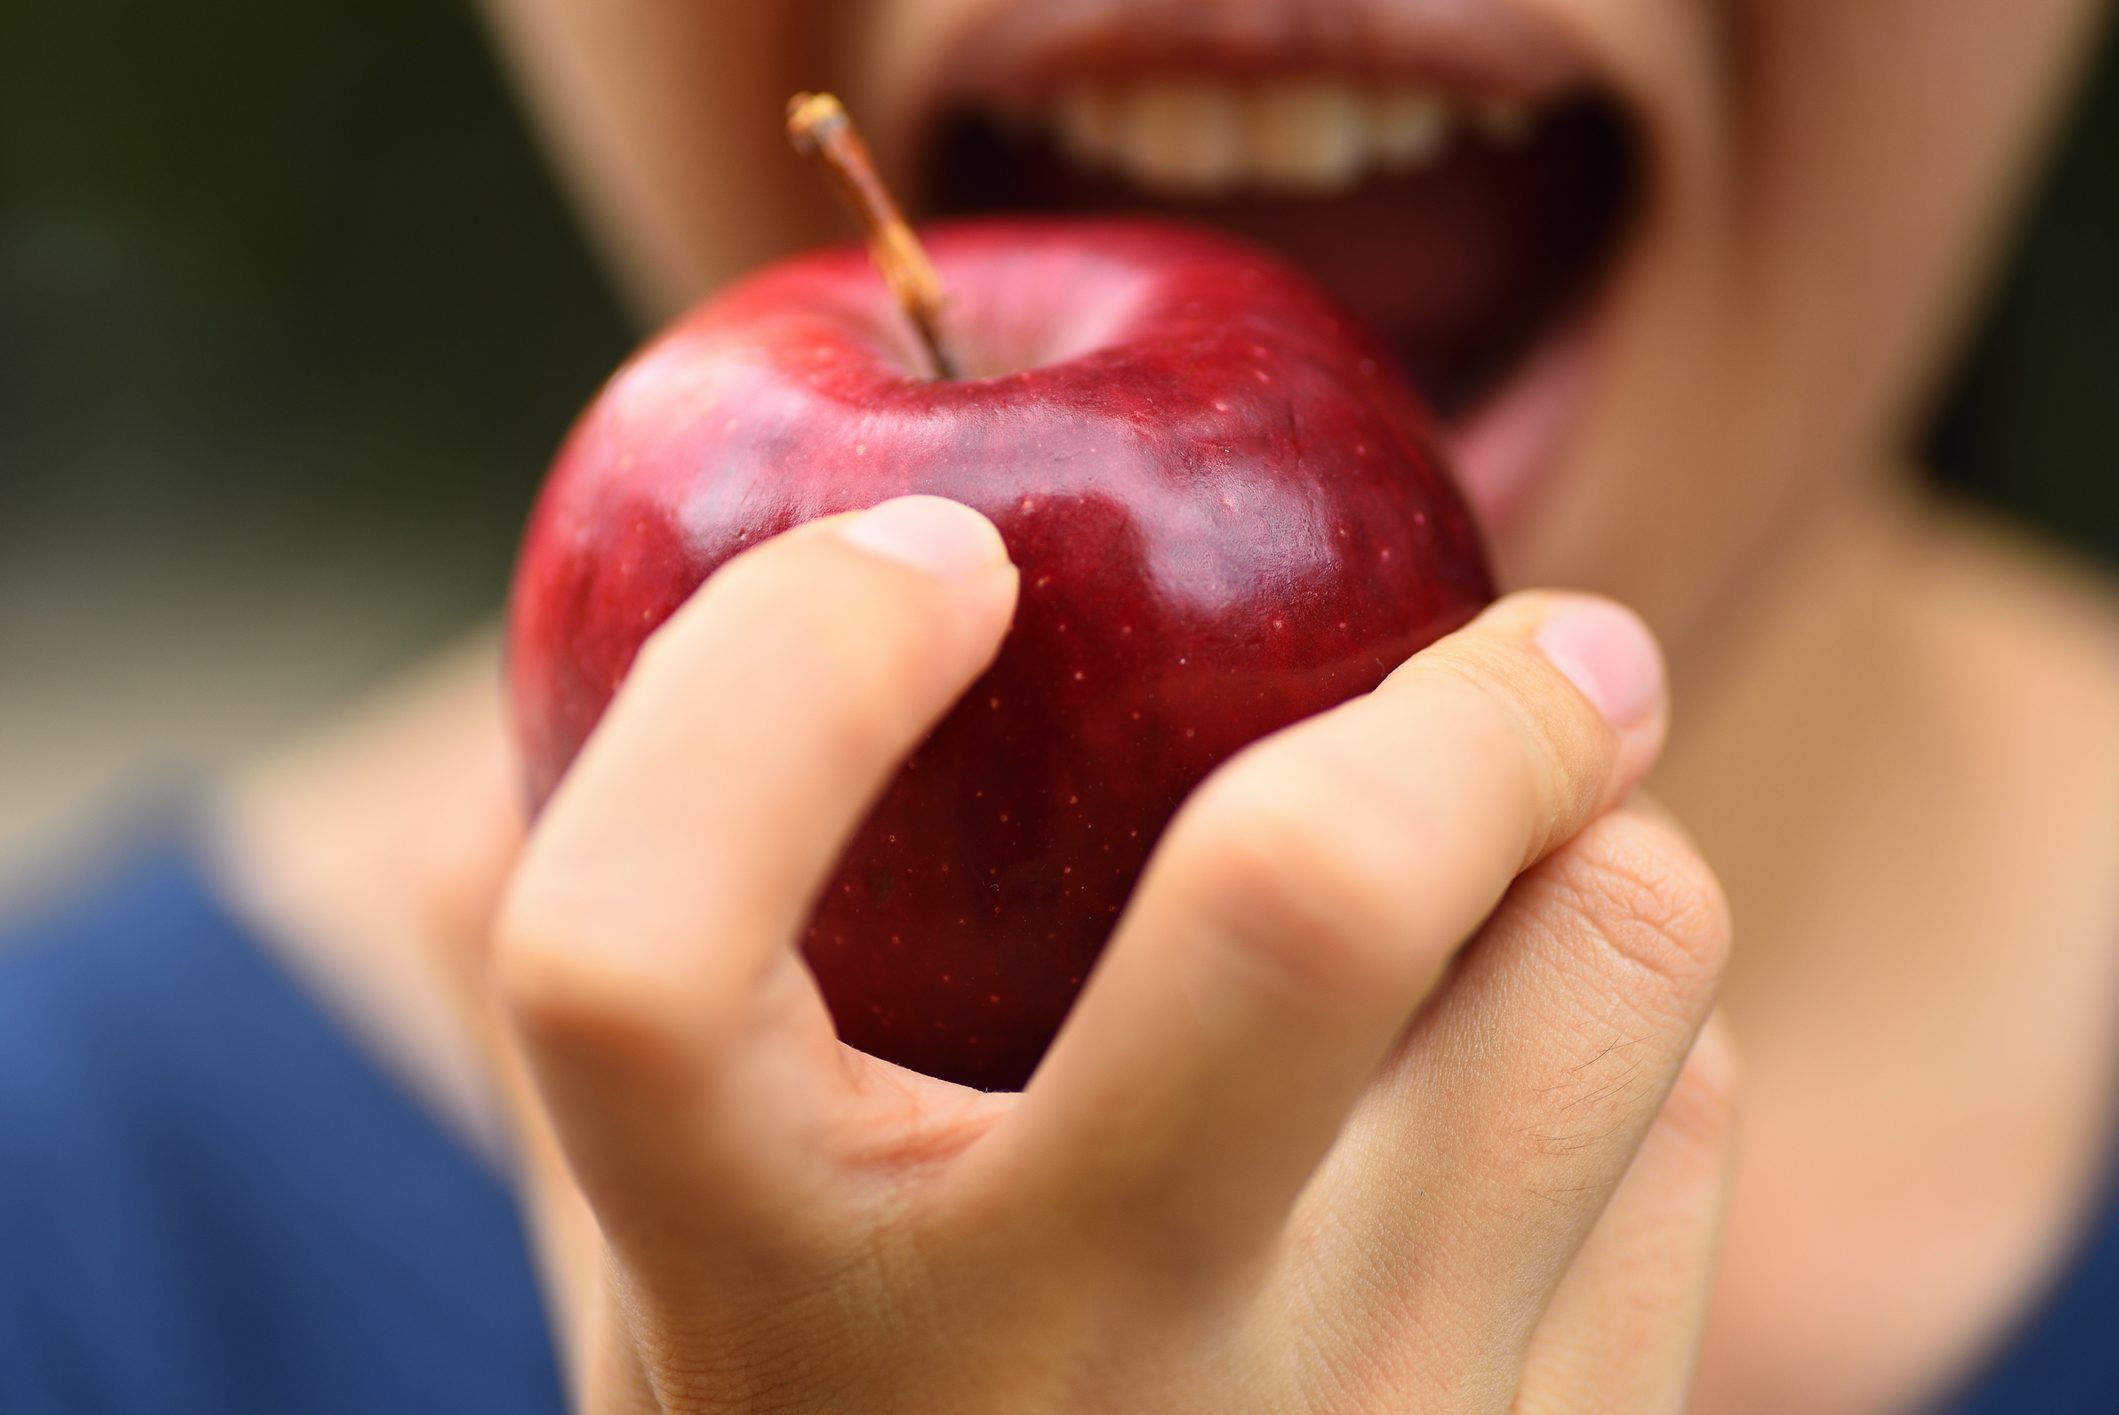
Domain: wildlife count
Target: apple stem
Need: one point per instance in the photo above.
(818, 126)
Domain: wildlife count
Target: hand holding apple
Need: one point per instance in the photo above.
(1227, 511)
(1240, 1179)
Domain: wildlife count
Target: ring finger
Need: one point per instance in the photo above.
(1471, 1173)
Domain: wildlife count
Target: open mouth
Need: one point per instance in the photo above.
(1452, 173)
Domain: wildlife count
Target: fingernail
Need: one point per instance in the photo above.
(945, 538)
(1608, 653)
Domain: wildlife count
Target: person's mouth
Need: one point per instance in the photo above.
(1454, 172)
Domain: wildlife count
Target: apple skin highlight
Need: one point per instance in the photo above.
(1228, 511)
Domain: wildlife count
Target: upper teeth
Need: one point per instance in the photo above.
(1203, 136)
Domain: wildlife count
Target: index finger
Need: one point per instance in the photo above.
(646, 948)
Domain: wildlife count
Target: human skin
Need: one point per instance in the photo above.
(1874, 698)
(1169, 1216)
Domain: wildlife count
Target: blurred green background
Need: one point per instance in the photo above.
(291, 317)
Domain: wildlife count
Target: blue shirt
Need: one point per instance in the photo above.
(211, 1201)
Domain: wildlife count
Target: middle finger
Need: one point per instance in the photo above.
(1297, 912)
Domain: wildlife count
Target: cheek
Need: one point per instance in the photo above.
(1662, 489)
(1794, 295)
(1888, 139)
(654, 107)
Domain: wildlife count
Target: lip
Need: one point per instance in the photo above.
(1006, 57)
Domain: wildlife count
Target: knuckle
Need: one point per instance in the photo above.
(556, 978)
(1295, 872)
(543, 960)
(1653, 907)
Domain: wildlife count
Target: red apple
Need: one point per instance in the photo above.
(1228, 511)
